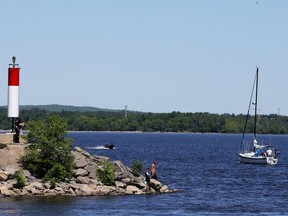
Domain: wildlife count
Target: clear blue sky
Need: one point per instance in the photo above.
(154, 56)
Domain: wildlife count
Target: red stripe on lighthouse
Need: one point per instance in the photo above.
(13, 76)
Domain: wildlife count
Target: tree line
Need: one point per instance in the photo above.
(199, 122)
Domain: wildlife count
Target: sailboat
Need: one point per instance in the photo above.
(255, 153)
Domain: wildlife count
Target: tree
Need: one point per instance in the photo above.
(49, 154)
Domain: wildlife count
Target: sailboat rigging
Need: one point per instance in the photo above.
(259, 154)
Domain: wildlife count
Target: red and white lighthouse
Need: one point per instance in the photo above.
(13, 89)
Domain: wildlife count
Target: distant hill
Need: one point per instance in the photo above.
(60, 108)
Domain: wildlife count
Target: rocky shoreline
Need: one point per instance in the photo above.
(84, 181)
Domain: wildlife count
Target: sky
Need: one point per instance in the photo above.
(153, 56)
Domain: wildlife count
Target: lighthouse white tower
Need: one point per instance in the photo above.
(13, 90)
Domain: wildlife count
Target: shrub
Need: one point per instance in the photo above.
(49, 154)
(2, 146)
(21, 179)
(52, 182)
(106, 173)
(136, 167)
(56, 172)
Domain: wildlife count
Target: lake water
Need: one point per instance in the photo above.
(203, 166)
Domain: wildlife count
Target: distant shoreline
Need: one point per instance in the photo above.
(147, 132)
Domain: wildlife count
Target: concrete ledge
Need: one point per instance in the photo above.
(8, 138)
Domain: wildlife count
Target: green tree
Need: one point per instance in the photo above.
(106, 173)
(49, 154)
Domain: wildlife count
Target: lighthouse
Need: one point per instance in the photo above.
(13, 90)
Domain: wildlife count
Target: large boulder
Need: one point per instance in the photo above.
(37, 185)
(137, 182)
(81, 172)
(6, 191)
(3, 175)
(80, 163)
(156, 185)
(91, 168)
(164, 189)
(80, 159)
(85, 190)
(120, 184)
(83, 179)
(130, 189)
(121, 170)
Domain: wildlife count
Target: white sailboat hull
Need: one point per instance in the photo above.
(261, 154)
(249, 158)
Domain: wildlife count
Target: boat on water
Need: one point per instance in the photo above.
(109, 146)
(253, 152)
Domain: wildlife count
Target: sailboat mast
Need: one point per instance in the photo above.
(256, 102)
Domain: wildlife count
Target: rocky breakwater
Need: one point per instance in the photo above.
(84, 181)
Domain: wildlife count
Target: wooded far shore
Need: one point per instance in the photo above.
(95, 119)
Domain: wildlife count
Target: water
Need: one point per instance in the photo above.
(203, 166)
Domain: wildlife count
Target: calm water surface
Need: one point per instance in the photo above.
(203, 166)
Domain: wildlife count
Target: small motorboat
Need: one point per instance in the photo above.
(109, 146)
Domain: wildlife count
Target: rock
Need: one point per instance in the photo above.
(17, 191)
(99, 159)
(80, 163)
(95, 182)
(164, 189)
(121, 170)
(28, 187)
(84, 181)
(80, 159)
(81, 172)
(137, 182)
(120, 191)
(3, 175)
(26, 173)
(84, 190)
(87, 154)
(10, 171)
(37, 185)
(47, 185)
(10, 156)
(104, 190)
(59, 190)
(31, 178)
(126, 180)
(140, 192)
(47, 192)
(131, 189)
(156, 185)
(91, 167)
(120, 184)
(152, 190)
(78, 149)
(35, 191)
(6, 191)
(93, 174)
(70, 191)
(24, 192)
